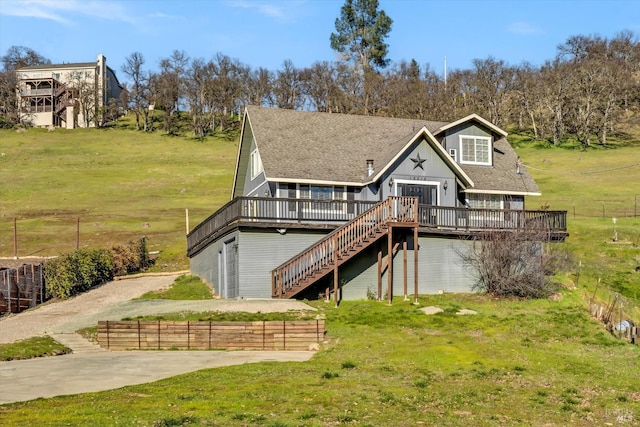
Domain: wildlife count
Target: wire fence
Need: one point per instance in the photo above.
(49, 235)
(602, 209)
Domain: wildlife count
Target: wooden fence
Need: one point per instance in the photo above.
(196, 335)
(624, 329)
(21, 288)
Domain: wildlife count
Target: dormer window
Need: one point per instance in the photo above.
(475, 150)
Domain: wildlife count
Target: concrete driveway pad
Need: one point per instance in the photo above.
(81, 373)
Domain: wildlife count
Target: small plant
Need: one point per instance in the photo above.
(421, 383)
(372, 295)
(327, 375)
(347, 364)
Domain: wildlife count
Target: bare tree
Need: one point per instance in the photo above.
(21, 56)
(258, 86)
(85, 95)
(15, 58)
(138, 90)
(318, 85)
(512, 262)
(286, 89)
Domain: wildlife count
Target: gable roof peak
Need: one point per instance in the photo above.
(472, 117)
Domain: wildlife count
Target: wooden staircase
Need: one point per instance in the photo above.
(318, 260)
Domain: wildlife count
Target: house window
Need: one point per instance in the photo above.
(256, 164)
(325, 193)
(475, 150)
(485, 201)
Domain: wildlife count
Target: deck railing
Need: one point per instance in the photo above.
(472, 219)
(320, 212)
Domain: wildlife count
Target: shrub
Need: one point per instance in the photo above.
(77, 271)
(130, 258)
(513, 263)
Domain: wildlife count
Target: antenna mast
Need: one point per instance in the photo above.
(445, 72)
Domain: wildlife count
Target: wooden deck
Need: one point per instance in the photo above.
(317, 214)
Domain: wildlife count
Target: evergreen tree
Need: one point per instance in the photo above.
(360, 34)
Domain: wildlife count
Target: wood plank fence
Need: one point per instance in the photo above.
(21, 288)
(624, 329)
(204, 335)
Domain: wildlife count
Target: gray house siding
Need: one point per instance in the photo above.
(434, 170)
(206, 263)
(261, 251)
(452, 138)
(256, 186)
(439, 268)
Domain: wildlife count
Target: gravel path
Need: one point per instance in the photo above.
(112, 301)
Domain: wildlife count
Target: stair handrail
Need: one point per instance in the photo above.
(323, 253)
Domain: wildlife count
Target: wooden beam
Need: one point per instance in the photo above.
(390, 265)
(415, 264)
(379, 296)
(404, 262)
(335, 272)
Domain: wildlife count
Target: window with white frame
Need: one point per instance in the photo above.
(485, 201)
(475, 150)
(255, 164)
(325, 193)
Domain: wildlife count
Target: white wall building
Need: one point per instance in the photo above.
(66, 95)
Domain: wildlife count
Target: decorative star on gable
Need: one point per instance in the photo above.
(417, 162)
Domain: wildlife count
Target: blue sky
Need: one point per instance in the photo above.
(267, 32)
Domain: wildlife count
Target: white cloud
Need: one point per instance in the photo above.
(524, 28)
(160, 15)
(65, 11)
(281, 11)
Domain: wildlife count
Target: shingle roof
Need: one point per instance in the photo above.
(303, 145)
(49, 66)
(502, 175)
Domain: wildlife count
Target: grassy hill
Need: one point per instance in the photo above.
(515, 363)
(122, 184)
(595, 186)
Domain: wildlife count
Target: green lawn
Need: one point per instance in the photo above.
(517, 363)
(587, 180)
(32, 347)
(122, 185)
(185, 287)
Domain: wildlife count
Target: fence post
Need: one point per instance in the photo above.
(78, 234)
(15, 238)
(9, 291)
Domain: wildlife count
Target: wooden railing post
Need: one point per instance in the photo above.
(335, 271)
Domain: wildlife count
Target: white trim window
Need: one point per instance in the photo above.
(255, 164)
(325, 193)
(485, 201)
(475, 150)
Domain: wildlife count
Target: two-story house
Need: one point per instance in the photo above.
(66, 95)
(357, 205)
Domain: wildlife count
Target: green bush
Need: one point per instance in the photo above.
(77, 271)
(83, 269)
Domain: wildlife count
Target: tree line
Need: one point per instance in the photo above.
(587, 91)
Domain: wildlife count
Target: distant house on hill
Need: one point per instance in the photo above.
(341, 203)
(66, 95)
